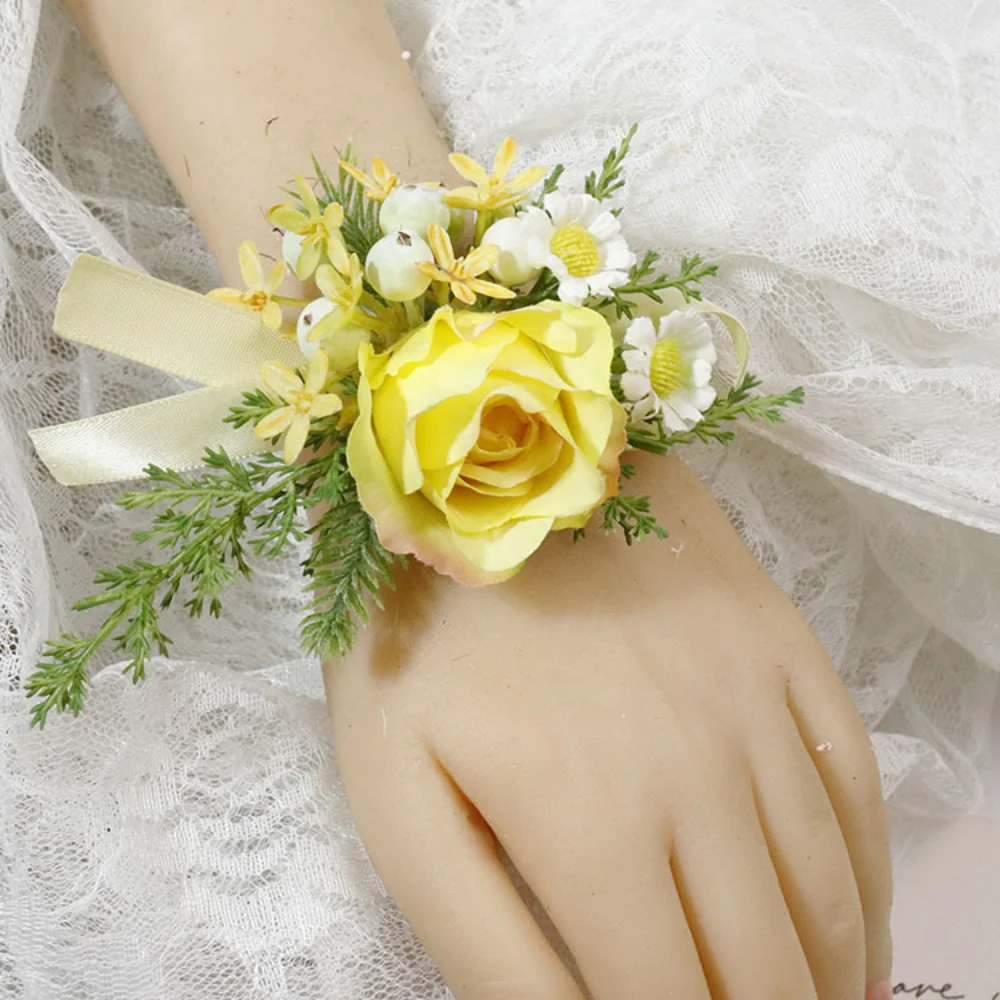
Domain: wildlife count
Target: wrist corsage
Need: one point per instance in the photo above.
(462, 376)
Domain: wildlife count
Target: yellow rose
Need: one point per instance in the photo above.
(480, 433)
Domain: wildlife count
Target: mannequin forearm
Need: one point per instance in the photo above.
(236, 97)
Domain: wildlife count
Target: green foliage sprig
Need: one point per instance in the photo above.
(716, 424)
(645, 281)
(631, 515)
(360, 228)
(345, 569)
(602, 186)
(550, 184)
(208, 526)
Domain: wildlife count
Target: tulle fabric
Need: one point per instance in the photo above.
(190, 838)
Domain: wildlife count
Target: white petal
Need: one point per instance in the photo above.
(557, 266)
(641, 333)
(701, 373)
(636, 359)
(536, 224)
(574, 210)
(670, 420)
(536, 251)
(573, 291)
(590, 209)
(707, 353)
(601, 283)
(689, 329)
(604, 227)
(555, 205)
(703, 397)
(645, 407)
(635, 385)
(682, 403)
(617, 255)
(614, 278)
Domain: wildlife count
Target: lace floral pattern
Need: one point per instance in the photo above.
(834, 158)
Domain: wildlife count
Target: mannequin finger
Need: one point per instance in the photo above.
(610, 894)
(811, 860)
(840, 748)
(745, 935)
(440, 862)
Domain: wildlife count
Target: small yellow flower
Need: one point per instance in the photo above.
(259, 295)
(492, 192)
(379, 183)
(319, 229)
(462, 273)
(305, 401)
(344, 291)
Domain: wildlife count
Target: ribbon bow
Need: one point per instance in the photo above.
(177, 331)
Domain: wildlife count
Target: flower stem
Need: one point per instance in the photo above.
(284, 300)
(414, 312)
(483, 220)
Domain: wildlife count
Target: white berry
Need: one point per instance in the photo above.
(392, 266)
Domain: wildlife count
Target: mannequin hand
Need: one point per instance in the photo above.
(644, 732)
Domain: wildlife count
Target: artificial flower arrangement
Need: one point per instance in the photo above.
(463, 379)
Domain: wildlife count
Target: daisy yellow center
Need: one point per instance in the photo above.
(301, 401)
(577, 249)
(666, 368)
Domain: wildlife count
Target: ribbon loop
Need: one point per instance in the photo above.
(737, 331)
(177, 331)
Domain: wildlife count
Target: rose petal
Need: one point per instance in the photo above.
(575, 488)
(532, 462)
(445, 434)
(409, 525)
(590, 417)
(501, 553)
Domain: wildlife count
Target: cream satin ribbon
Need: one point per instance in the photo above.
(737, 331)
(178, 331)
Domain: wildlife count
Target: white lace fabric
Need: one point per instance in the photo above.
(841, 160)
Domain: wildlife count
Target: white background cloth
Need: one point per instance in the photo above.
(840, 159)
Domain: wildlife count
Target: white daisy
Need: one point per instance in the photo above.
(668, 369)
(580, 241)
